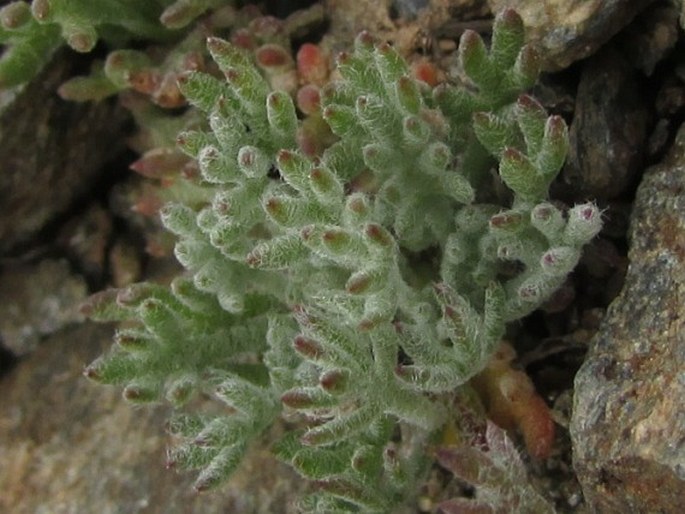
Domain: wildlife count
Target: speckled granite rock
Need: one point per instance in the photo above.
(628, 424)
(37, 300)
(51, 152)
(70, 447)
(569, 30)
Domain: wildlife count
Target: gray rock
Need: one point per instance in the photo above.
(408, 8)
(570, 30)
(651, 36)
(609, 130)
(37, 300)
(681, 5)
(70, 447)
(51, 152)
(85, 238)
(628, 424)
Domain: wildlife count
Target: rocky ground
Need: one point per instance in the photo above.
(608, 353)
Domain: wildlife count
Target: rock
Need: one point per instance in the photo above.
(7, 361)
(347, 19)
(405, 23)
(609, 130)
(651, 36)
(51, 151)
(570, 30)
(628, 421)
(407, 9)
(85, 238)
(69, 446)
(37, 300)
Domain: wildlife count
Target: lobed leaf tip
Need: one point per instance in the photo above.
(514, 155)
(510, 18)
(343, 58)
(272, 56)
(506, 220)
(333, 380)
(365, 40)
(378, 234)
(15, 15)
(216, 43)
(91, 372)
(469, 39)
(308, 99)
(384, 48)
(41, 9)
(307, 347)
(274, 205)
(82, 42)
(426, 72)
(527, 101)
(296, 399)
(358, 284)
(482, 118)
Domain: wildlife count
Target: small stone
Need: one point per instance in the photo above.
(447, 45)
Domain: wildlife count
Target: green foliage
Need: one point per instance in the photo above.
(33, 32)
(301, 294)
(28, 44)
(497, 474)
